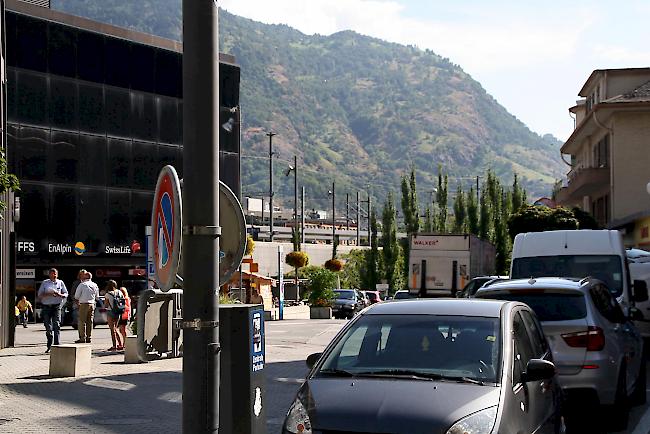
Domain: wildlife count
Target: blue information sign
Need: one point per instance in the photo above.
(257, 340)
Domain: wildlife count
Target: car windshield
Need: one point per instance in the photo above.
(603, 267)
(548, 306)
(344, 294)
(457, 348)
(372, 296)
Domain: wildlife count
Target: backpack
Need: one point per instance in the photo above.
(119, 304)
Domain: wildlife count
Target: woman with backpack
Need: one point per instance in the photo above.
(116, 305)
(126, 316)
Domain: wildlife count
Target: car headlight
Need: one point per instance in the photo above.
(297, 421)
(480, 422)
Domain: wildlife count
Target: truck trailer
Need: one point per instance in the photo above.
(441, 264)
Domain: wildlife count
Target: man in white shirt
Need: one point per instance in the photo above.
(86, 296)
(51, 294)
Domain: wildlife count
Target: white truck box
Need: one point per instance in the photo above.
(441, 264)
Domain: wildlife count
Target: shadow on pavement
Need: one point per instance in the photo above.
(146, 402)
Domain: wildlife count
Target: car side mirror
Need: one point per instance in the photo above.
(635, 314)
(538, 369)
(640, 290)
(312, 359)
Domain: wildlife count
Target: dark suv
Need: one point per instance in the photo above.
(347, 303)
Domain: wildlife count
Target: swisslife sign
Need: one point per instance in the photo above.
(440, 242)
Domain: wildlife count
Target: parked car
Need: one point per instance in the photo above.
(373, 296)
(432, 366)
(597, 350)
(348, 302)
(473, 285)
(403, 295)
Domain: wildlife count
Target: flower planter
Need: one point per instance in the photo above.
(320, 312)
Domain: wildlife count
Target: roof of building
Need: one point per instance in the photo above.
(640, 94)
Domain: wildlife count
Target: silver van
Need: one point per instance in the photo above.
(597, 350)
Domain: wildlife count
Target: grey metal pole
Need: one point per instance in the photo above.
(347, 211)
(302, 216)
(270, 134)
(369, 207)
(201, 216)
(295, 195)
(358, 221)
(477, 191)
(333, 212)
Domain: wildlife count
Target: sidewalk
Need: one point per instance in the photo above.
(146, 397)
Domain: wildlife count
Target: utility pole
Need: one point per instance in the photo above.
(201, 230)
(347, 211)
(333, 192)
(358, 221)
(295, 196)
(477, 191)
(302, 216)
(271, 134)
(369, 208)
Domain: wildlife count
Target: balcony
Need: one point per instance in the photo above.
(583, 182)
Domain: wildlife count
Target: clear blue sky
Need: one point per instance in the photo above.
(533, 58)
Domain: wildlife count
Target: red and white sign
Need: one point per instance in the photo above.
(102, 273)
(166, 227)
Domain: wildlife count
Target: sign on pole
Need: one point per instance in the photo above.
(166, 228)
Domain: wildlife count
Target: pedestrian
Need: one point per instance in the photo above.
(256, 297)
(52, 294)
(126, 316)
(24, 307)
(113, 299)
(86, 297)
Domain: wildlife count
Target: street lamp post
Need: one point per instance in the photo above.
(333, 193)
(270, 134)
(302, 216)
(294, 168)
(358, 222)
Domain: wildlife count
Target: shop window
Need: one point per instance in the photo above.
(62, 56)
(63, 103)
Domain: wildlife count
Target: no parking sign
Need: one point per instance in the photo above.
(166, 227)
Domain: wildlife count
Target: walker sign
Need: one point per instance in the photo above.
(166, 225)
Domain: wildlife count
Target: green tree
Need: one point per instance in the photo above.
(585, 220)
(321, 287)
(540, 218)
(472, 213)
(517, 195)
(391, 253)
(410, 204)
(460, 211)
(8, 182)
(485, 218)
(441, 198)
(353, 273)
(428, 221)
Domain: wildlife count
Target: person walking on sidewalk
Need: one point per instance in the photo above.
(86, 296)
(126, 316)
(116, 306)
(52, 293)
(24, 307)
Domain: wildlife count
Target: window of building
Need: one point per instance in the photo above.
(93, 218)
(168, 72)
(31, 153)
(141, 204)
(600, 210)
(34, 223)
(31, 93)
(142, 61)
(93, 156)
(169, 120)
(63, 214)
(118, 112)
(11, 41)
(143, 116)
(601, 153)
(90, 48)
(116, 66)
(11, 95)
(64, 157)
(91, 109)
(119, 217)
(31, 43)
(145, 165)
(64, 102)
(119, 163)
(62, 55)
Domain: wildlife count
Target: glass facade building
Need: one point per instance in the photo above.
(94, 112)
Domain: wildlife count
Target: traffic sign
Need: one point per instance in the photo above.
(166, 223)
(233, 233)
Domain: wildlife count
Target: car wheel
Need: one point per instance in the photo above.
(639, 394)
(621, 409)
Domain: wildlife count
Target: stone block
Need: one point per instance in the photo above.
(70, 360)
(131, 350)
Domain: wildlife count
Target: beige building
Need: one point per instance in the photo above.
(610, 152)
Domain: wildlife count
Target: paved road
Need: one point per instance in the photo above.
(147, 397)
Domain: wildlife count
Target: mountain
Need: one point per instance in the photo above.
(355, 109)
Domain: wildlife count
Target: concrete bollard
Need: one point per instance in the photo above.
(131, 350)
(70, 360)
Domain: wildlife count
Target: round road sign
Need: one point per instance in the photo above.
(166, 224)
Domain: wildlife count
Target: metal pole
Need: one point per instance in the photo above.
(347, 211)
(333, 212)
(302, 216)
(358, 221)
(295, 194)
(369, 235)
(477, 191)
(262, 222)
(271, 134)
(201, 216)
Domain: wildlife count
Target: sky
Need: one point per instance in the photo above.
(532, 57)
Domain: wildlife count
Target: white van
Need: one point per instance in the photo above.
(579, 253)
